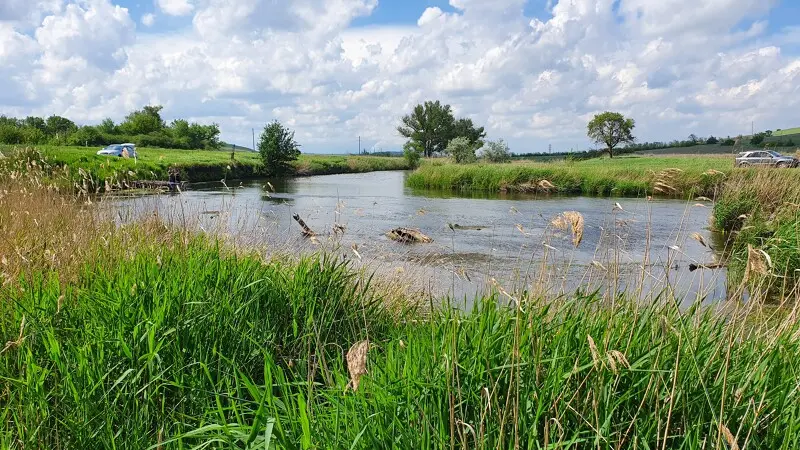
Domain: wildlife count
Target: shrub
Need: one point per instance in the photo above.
(497, 151)
(278, 148)
(412, 152)
(462, 150)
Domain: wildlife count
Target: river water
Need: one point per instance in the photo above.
(646, 247)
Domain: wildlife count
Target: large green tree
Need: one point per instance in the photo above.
(278, 148)
(432, 126)
(611, 129)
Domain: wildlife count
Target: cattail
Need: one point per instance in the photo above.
(728, 437)
(699, 238)
(593, 350)
(758, 263)
(357, 363)
(573, 221)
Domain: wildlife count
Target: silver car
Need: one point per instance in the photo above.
(764, 158)
(119, 150)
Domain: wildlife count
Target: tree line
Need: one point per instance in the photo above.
(144, 127)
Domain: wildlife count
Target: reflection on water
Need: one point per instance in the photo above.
(644, 247)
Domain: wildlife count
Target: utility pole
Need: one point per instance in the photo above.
(359, 145)
(254, 139)
(752, 128)
(549, 148)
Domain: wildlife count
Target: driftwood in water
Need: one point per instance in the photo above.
(408, 235)
(693, 267)
(456, 226)
(308, 232)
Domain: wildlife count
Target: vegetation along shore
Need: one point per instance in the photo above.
(149, 336)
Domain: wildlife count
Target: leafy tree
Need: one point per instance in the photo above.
(757, 139)
(278, 148)
(412, 152)
(497, 151)
(464, 127)
(145, 121)
(60, 127)
(32, 136)
(693, 138)
(462, 150)
(768, 133)
(712, 140)
(107, 126)
(611, 129)
(86, 136)
(35, 122)
(430, 125)
(10, 134)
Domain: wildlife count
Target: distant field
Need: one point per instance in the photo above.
(787, 132)
(79, 164)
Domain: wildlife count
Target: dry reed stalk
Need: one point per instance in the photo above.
(699, 238)
(726, 433)
(573, 221)
(10, 345)
(357, 363)
(593, 350)
(758, 263)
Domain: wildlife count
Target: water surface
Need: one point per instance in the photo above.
(516, 245)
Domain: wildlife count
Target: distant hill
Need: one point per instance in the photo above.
(787, 132)
(228, 147)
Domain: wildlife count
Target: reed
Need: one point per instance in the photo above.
(623, 176)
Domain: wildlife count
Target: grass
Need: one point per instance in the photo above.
(146, 336)
(81, 166)
(621, 176)
(787, 132)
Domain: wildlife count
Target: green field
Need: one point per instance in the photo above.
(620, 176)
(78, 165)
(149, 337)
(787, 132)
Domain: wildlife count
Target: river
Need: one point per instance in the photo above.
(646, 247)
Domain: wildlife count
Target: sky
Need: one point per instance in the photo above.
(533, 72)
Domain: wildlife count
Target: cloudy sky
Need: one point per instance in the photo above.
(532, 72)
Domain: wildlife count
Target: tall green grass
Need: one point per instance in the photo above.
(187, 345)
(622, 176)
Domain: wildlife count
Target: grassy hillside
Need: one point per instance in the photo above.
(787, 132)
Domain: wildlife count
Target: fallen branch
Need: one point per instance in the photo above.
(307, 232)
(408, 235)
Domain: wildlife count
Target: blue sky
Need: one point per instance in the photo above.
(532, 72)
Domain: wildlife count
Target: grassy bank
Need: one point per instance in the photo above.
(760, 209)
(78, 165)
(149, 337)
(623, 176)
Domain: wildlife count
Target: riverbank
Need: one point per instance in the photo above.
(148, 336)
(78, 165)
(621, 176)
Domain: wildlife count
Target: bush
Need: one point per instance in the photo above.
(712, 140)
(497, 152)
(278, 148)
(412, 152)
(462, 150)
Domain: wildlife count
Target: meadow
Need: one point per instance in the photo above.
(150, 336)
(620, 176)
(71, 165)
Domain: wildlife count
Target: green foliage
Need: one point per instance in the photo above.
(496, 152)
(432, 126)
(412, 152)
(757, 138)
(461, 150)
(610, 129)
(144, 128)
(278, 148)
(712, 140)
(626, 176)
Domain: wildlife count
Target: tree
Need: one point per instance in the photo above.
(59, 127)
(497, 151)
(462, 150)
(107, 126)
(465, 128)
(430, 125)
(412, 152)
(611, 129)
(693, 138)
(145, 121)
(712, 140)
(757, 139)
(278, 148)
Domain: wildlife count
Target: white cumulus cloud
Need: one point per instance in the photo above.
(148, 20)
(176, 7)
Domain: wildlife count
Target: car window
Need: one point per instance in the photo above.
(759, 155)
(775, 154)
